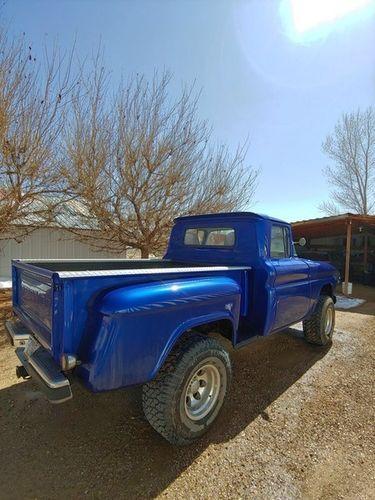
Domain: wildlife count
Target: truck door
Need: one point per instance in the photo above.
(292, 292)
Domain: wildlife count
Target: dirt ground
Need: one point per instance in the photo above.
(298, 424)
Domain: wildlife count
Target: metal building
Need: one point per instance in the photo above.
(53, 242)
(47, 243)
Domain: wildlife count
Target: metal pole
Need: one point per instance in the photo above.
(347, 254)
(365, 252)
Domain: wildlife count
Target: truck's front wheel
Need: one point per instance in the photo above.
(185, 398)
(319, 328)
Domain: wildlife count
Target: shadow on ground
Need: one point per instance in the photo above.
(100, 445)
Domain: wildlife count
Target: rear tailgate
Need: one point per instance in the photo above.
(33, 299)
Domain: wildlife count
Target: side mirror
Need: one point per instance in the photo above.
(302, 242)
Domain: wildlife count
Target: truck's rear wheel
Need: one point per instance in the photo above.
(319, 328)
(185, 398)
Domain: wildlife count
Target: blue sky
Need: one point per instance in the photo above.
(277, 72)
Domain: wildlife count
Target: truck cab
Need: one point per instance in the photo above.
(158, 322)
(281, 287)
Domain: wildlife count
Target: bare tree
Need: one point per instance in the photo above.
(138, 160)
(351, 148)
(33, 97)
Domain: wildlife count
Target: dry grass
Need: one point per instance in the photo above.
(5, 304)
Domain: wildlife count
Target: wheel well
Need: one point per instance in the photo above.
(222, 327)
(327, 290)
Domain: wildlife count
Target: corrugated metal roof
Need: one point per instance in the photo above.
(68, 214)
(334, 218)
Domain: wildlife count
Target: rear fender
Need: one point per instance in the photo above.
(140, 324)
(190, 325)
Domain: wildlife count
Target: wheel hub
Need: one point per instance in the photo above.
(202, 391)
(329, 321)
(194, 386)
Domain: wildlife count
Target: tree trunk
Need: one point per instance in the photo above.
(144, 253)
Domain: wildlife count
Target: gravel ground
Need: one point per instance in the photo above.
(298, 424)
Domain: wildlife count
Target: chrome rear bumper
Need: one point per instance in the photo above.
(39, 364)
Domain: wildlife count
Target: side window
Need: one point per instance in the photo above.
(280, 244)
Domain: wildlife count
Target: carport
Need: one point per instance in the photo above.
(347, 240)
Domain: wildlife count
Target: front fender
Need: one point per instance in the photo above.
(139, 324)
(322, 274)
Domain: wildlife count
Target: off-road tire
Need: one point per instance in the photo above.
(314, 328)
(164, 397)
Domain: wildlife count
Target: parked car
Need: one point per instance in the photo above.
(159, 323)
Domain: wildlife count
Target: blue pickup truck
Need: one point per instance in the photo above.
(165, 323)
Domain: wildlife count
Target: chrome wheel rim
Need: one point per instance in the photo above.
(329, 321)
(202, 391)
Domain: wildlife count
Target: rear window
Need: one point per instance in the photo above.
(210, 237)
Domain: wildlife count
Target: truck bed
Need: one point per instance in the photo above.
(117, 267)
(43, 290)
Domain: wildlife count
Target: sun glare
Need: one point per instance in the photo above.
(309, 19)
(308, 14)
